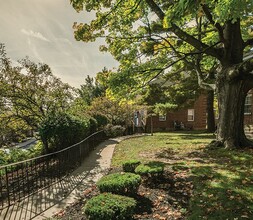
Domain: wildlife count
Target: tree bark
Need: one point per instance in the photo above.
(45, 145)
(231, 98)
(210, 111)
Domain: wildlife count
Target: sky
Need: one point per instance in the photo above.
(42, 30)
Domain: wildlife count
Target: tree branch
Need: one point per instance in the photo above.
(195, 42)
(183, 35)
(135, 7)
(155, 8)
(113, 9)
(166, 67)
(201, 80)
(215, 24)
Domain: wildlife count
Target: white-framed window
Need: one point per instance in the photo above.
(190, 115)
(162, 117)
(248, 104)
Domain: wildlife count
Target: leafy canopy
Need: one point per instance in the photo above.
(149, 37)
(29, 92)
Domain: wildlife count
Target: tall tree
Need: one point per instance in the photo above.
(91, 89)
(31, 95)
(118, 112)
(29, 92)
(150, 36)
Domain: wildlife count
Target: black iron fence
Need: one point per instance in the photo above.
(21, 179)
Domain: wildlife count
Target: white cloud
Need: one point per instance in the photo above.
(64, 40)
(37, 35)
(34, 51)
(45, 35)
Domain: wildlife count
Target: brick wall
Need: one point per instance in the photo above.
(199, 122)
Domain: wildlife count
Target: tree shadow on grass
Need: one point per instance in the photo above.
(222, 182)
(166, 154)
(220, 194)
(198, 135)
(223, 185)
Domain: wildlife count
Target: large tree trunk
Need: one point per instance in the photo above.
(231, 98)
(210, 111)
(232, 87)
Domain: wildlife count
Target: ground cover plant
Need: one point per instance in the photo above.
(198, 182)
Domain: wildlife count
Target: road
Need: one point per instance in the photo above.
(26, 144)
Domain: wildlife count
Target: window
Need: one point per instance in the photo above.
(162, 117)
(248, 104)
(190, 116)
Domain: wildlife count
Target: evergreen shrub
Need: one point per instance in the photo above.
(130, 165)
(120, 183)
(152, 168)
(109, 206)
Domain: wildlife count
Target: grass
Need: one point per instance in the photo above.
(160, 145)
(222, 179)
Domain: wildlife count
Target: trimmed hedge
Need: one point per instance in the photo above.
(120, 183)
(152, 168)
(130, 165)
(108, 206)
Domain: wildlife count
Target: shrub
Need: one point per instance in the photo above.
(36, 150)
(108, 206)
(102, 120)
(8, 156)
(3, 157)
(16, 155)
(61, 130)
(130, 165)
(119, 183)
(93, 125)
(152, 168)
(114, 130)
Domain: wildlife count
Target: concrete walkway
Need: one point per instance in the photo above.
(47, 202)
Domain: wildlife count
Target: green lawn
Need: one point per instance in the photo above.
(222, 179)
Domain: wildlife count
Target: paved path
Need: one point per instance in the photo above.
(45, 203)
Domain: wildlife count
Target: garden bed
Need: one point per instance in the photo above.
(197, 183)
(166, 198)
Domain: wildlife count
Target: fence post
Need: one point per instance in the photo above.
(7, 186)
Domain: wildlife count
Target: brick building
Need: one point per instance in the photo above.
(193, 117)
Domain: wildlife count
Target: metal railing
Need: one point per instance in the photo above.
(21, 179)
